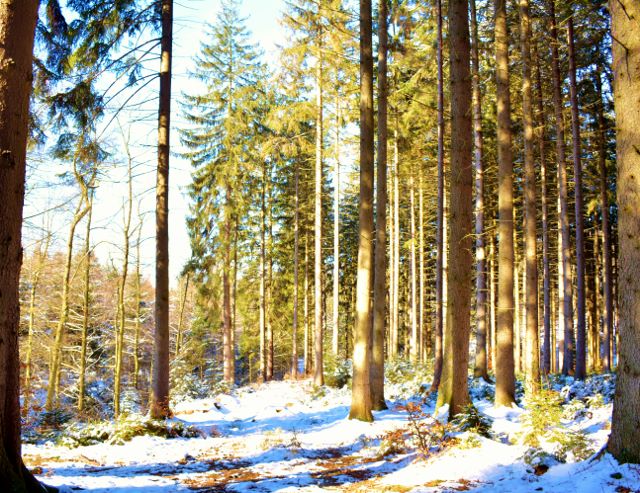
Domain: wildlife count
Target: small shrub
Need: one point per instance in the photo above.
(544, 411)
(574, 410)
(571, 446)
(337, 372)
(428, 434)
(595, 401)
(393, 442)
(470, 419)
(469, 440)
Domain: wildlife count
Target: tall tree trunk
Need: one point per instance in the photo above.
(505, 374)
(263, 277)
(422, 331)
(440, 250)
(492, 295)
(336, 238)
(138, 296)
(606, 230)
(395, 307)
(228, 357)
(361, 404)
(270, 353)
(17, 28)
(159, 399)
(122, 313)
(454, 390)
(564, 238)
(624, 442)
(546, 284)
(86, 298)
(532, 351)
(307, 334)
(480, 365)
(296, 241)
(318, 375)
(413, 288)
(380, 275)
(581, 366)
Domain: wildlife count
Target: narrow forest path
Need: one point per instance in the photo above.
(289, 436)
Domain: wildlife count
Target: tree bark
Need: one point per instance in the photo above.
(505, 372)
(296, 241)
(159, 399)
(480, 365)
(361, 404)
(318, 375)
(86, 298)
(546, 283)
(336, 238)
(17, 29)
(380, 275)
(454, 389)
(532, 351)
(581, 330)
(624, 441)
(440, 250)
(564, 238)
(606, 229)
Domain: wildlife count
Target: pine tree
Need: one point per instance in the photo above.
(223, 119)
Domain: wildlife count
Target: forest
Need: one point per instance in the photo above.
(388, 246)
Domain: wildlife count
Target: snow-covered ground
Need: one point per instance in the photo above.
(289, 436)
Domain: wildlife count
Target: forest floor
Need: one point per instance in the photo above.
(290, 436)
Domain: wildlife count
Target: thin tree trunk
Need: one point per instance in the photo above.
(307, 328)
(55, 360)
(606, 230)
(380, 275)
(505, 374)
(422, 334)
(361, 404)
(296, 241)
(546, 284)
(564, 237)
(440, 250)
(183, 302)
(492, 294)
(480, 365)
(453, 389)
(532, 351)
(263, 278)
(227, 330)
(121, 321)
(138, 296)
(318, 375)
(159, 400)
(624, 441)
(581, 367)
(86, 298)
(412, 270)
(336, 239)
(395, 308)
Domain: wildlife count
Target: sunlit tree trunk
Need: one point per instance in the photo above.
(440, 228)
(532, 350)
(546, 274)
(183, 303)
(296, 241)
(159, 399)
(122, 313)
(138, 311)
(564, 237)
(17, 28)
(581, 330)
(413, 288)
(480, 365)
(86, 298)
(318, 375)
(624, 441)
(336, 239)
(453, 389)
(607, 283)
(361, 404)
(505, 374)
(380, 276)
